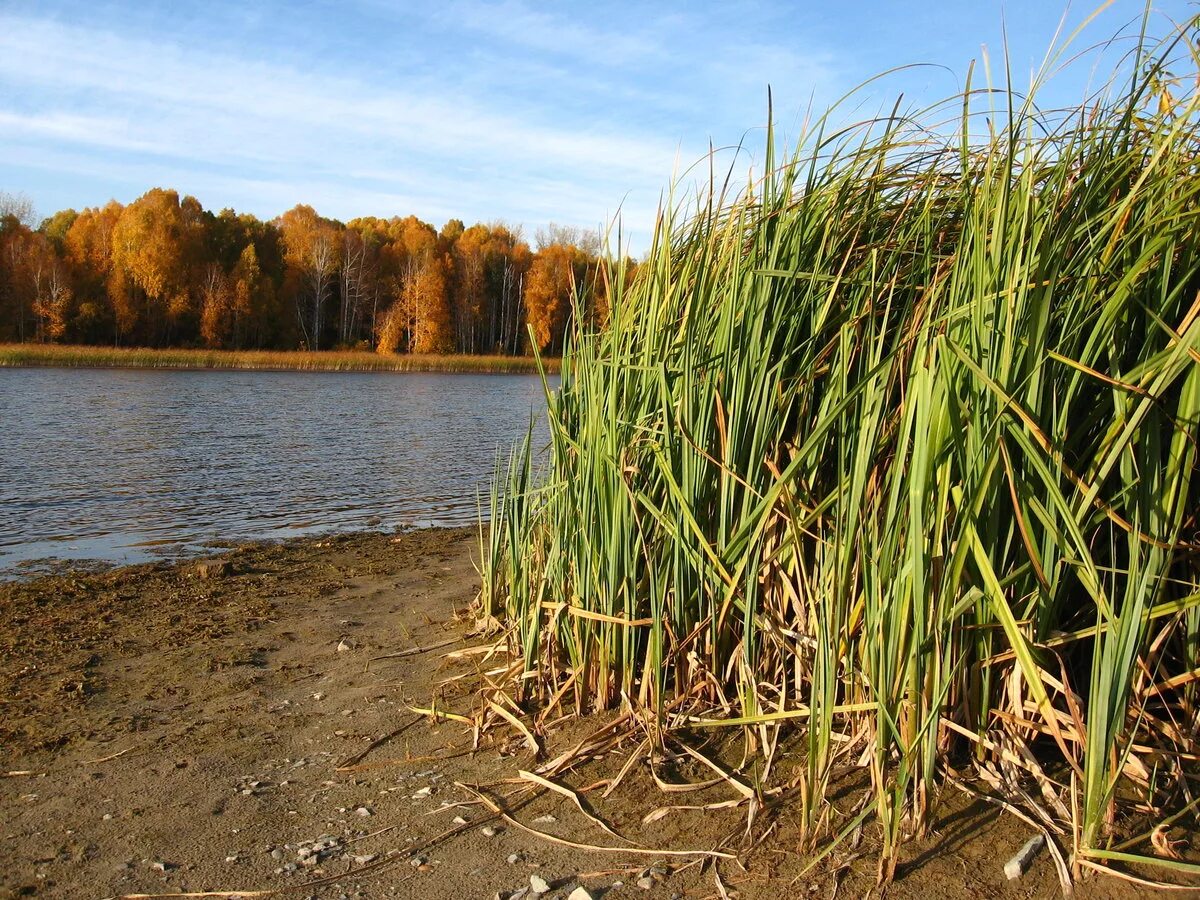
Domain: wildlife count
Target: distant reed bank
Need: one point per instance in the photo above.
(74, 356)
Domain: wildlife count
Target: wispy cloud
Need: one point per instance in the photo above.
(356, 143)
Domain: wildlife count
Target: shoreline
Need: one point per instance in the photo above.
(166, 730)
(78, 356)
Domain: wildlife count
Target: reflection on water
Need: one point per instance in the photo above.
(127, 465)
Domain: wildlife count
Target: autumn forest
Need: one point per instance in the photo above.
(165, 272)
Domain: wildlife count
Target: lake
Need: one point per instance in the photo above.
(124, 465)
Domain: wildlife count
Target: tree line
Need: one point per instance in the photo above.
(165, 272)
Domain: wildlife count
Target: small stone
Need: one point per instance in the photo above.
(231, 859)
(213, 568)
(276, 853)
(487, 831)
(459, 820)
(545, 820)
(344, 645)
(1021, 860)
(514, 858)
(422, 793)
(162, 866)
(363, 811)
(365, 858)
(646, 883)
(316, 696)
(417, 861)
(580, 893)
(107, 817)
(538, 884)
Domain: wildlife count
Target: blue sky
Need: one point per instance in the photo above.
(523, 111)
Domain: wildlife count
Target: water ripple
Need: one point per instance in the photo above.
(124, 465)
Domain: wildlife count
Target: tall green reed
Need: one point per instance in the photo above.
(898, 447)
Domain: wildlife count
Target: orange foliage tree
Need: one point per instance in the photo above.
(163, 270)
(312, 255)
(154, 243)
(549, 292)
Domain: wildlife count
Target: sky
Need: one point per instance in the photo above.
(515, 110)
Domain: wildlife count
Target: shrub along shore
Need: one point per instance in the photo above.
(71, 356)
(894, 457)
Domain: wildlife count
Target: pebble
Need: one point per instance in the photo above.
(343, 646)
(162, 866)
(1015, 867)
(459, 820)
(514, 858)
(545, 820)
(538, 884)
(363, 811)
(417, 861)
(107, 817)
(487, 831)
(276, 853)
(646, 883)
(365, 858)
(580, 893)
(422, 793)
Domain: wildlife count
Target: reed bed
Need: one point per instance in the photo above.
(66, 355)
(893, 456)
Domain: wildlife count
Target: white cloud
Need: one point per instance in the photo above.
(105, 91)
(541, 115)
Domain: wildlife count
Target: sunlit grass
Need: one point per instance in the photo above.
(897, 450)
(66, 355)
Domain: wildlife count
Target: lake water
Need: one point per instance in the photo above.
(128, 465)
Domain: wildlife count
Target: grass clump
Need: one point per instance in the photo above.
(898, 449)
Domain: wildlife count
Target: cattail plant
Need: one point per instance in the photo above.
(895, 452)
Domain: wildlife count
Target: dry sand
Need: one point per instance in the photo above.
(203, 734)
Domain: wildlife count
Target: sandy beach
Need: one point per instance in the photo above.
(180, 734)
